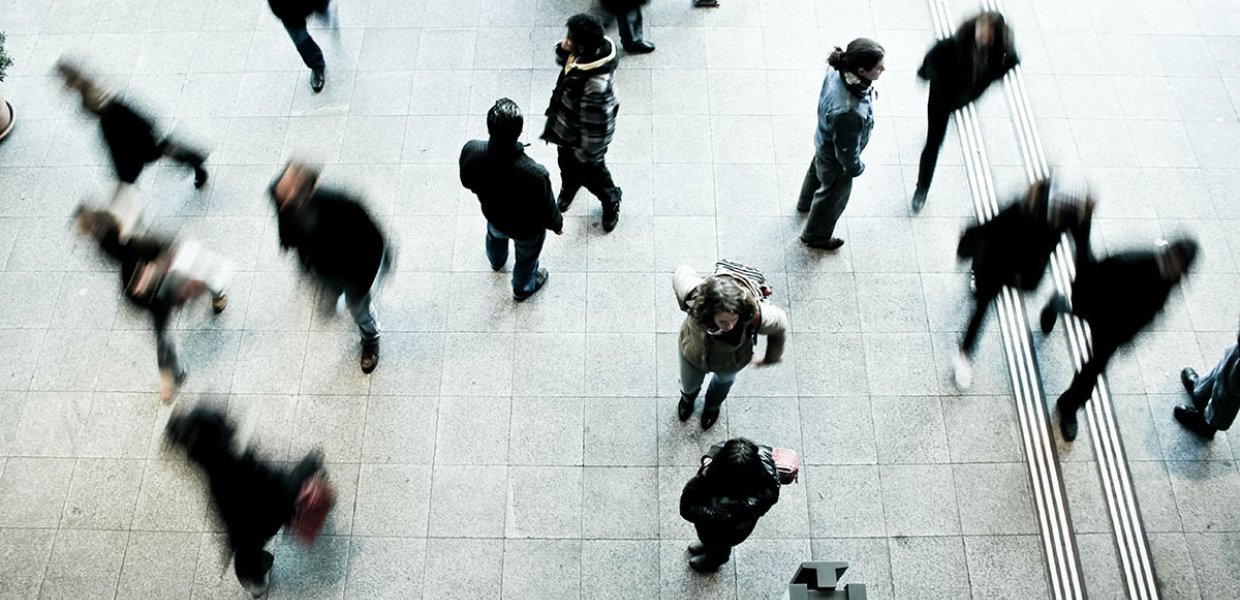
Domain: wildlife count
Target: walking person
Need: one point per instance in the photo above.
(516, 197)
(726, 313)
(959, 70)
(293, 15)
(1118, 296)
(845, 120)
(1014, 248)
(159, 276)
(253, 498)
(1215, 397)
(732, 490)
(581, 118)
(338, 242)
(628, 15)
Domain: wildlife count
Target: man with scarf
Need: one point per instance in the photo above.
(581, 118)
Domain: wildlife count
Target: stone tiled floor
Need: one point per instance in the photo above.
(531, 450)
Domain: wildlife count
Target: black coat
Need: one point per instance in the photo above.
(131, 141)
(1119, 295)
(620, 7)
(954, 71)
(1013, 249)
(723, 517)
(133, 254)
(514, 190)
(335, 239)
(296, 11)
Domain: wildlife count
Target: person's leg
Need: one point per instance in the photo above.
(310, 52)
(1082, 386)
(630, 26)
(497, 248)
(171, 373)
(253, 565)
(1220, 409)
(362, 307)
(712, 557)
(570, 177)
(186, 156)
(809, 186)
(981, 304)
(720, 384)
(691, 377)
(828, 204)
(525, 266)
(936, 132)
(597, 178)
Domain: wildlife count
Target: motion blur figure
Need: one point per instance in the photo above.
(1215, 396)
(254, 499)
(293, 15)
(628, 15)
(336, 241)
(159, 276)
(731, 491)
(959, 70)
(1118, 296)
(1015, 247)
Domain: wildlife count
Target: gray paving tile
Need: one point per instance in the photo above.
(102, 494)
(1173, 564)
(468, 501)
(841, 431)
(933, 566)
(25, 553)
(84, 564)
(462, 569)
(620, 503)
(400, 429)
(1198, 486)
(392, 500)
(386, 567)
(472, 431)
(1100, 566)
(830, 364)
(33, 491)
(994, 499)
(909, 430)
(869, 562)
(331, 424)
(919, 500)
(677, 580)
(318, 574)
(845, 501)
(464, 353)
(999, 566)
(159, 564)
(764, 566)
(616, 569)
(910, 354)
(1216, 578)
(544, 502)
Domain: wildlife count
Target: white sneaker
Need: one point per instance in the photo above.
(963, 372)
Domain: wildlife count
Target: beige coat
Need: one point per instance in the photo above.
(709, 353)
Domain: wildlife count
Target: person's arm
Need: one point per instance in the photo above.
(684, 281)
(846, 129)
(555, 219)
(698, 506)
(931, 66)
(775, 327)
(597, 112)
(1081, 235)
(764, 500)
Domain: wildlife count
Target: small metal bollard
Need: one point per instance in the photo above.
(818, 581)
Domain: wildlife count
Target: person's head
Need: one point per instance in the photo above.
(739, 466)
(585, 34)
(504, 121)
(863, 58)
(94, 97)
(1176, 257)
(100, 225)
(204, 433)
(295, 184)
(987, 27)
(722, 305)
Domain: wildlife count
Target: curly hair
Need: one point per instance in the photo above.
(720, 294)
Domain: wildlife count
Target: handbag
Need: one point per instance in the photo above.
(314, 501)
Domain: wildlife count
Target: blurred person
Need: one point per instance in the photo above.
(706, 3)
(959, 70)
(732, 490)
(628, 15)
(337, 242)
(1118, 296)
(516, 197)
(725, 315)
(845, 120)
(1015, 247)
(293, 15)
(1215, 397)
(581, 118)
(253, 498)
(131, 140)
(159, 276)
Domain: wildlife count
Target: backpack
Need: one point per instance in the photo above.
(751, 276)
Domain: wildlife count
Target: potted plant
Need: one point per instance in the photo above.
(7, 114)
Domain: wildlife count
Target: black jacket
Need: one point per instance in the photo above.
(296, 11)
(1119, 295)
(1013, 249)
(620, 7)
(957, 76)
(514, 190)
(583, 108)
(131, 140)
(335, 239)
(133, 254)
(723, 517)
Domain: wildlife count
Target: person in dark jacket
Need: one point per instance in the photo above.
(1215, 397)
(959, 69)
(845, 120)
(731, 491)
(1014, 248)
(1118, 296)
(628, 15)
(145, 272)
(516, 197)
(581, 118)
(254, 499)
(293, 15)
(337, 241)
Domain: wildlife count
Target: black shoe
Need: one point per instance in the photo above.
(684, 408)
(564, 201)
(701, 565)
(831, 244)
(802, 208)
(919, 200)
(1192, 420)
(1050, 313)
(640, 47)
(697, 549)
(611, 215)
(200, 177)
(705, 3)
(370, 356)
(709, 416)
(540, 279)
(1189, 378)
(1068, 425)
(317, 79)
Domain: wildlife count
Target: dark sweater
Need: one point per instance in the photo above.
(131, 141)
(296, 11)
(335, 239)
(1014, 248)
(514, 190)
(1120, 294)
(956, 74)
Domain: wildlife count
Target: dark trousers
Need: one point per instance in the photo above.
(716, 554)
(165, 348)
(936, 132)
(575, 174)
(630, 26)
(1082, 386)
(525, 269)
(824, 193)
(1218, 408)
(251, 562)
(309, 51)
(129, 167)
(981, 304)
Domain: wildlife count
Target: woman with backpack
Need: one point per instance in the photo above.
(732, 490)
(726, 313)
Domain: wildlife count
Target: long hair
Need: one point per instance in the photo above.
(720, 294)
(739, 467)
(862, 53)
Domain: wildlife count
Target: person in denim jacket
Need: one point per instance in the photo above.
(845, 120)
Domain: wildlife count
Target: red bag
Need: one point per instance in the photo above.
(316, 499)
(787, 464)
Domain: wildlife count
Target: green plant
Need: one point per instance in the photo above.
(5, 61)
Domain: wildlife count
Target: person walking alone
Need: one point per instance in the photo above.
(845, 120)
(516, 197)
(732, 490)
(293, 15)
(581, 118)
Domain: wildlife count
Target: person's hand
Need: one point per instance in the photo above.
(565, 46)
(559, 231)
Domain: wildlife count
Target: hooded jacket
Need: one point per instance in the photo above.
(958, 74)
(513, 189)
(583, 108)
(845, 120)
(726, 517)
(335, 239)
(731, 351)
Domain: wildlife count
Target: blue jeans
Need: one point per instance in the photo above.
(691, 379)
(1218, 407)
(525, 269)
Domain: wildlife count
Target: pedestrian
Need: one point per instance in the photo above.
(1014, 248)
(845, 120)
(252, 498)
(158, 276)
(293, 15)
(516, 197)
(131, 140)
(628, 15)
(959, 70)
(732, 490)
(725, 315)
(581, 118)
(705, 3)
(1118, 296)
(338, 242)
(1215, 397)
